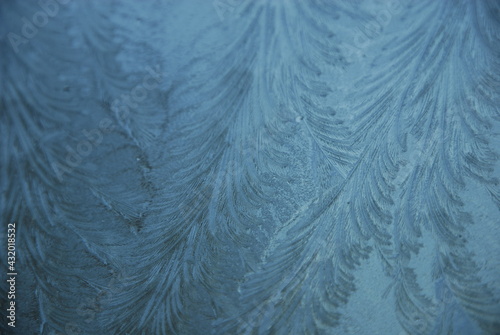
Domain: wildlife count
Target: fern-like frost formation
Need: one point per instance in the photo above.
(251, 167)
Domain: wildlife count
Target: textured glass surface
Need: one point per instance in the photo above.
(250, 167)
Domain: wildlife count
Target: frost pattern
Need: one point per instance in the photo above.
(238, 177)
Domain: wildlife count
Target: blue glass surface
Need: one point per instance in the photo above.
(250, 167)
